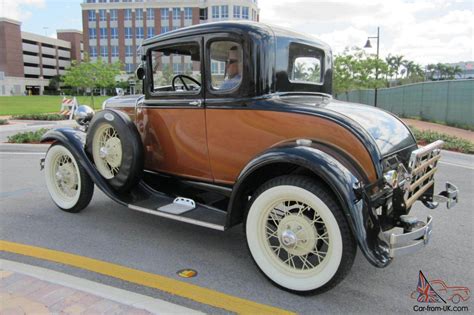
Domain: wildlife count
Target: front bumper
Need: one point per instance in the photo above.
(410, 242)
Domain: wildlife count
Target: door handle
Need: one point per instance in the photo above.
(197, 103)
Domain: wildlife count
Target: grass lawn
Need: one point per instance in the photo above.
(16, 105)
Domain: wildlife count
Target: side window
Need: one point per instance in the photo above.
(305, 63)
(176, 69)
(226, 65)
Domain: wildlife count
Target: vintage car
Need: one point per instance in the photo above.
(237, 125)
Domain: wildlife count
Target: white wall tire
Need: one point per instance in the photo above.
(68, 184)
(297, 235)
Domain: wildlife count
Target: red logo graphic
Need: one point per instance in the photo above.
(436, 291)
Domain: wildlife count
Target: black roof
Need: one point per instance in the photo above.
(242, 26)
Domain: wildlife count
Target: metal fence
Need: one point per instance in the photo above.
(450, 102)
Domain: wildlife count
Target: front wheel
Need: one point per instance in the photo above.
(298, 236)
(69, 185)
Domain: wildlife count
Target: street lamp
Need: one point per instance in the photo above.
(368, 45)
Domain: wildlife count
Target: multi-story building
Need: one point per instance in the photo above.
(113, 29)
(28, 61)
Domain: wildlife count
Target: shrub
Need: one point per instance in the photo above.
(28, 137)
(451, 143)
(3, 121)
(39, 117)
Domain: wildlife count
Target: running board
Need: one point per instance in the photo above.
(156, 203)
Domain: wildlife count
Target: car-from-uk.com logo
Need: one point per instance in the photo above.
(437, 296)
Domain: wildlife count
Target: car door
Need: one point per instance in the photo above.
(171, 118)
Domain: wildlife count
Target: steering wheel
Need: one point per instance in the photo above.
(181, 77)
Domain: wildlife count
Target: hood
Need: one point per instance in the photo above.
(388, 132)
(122, 101)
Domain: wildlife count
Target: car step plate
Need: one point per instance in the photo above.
(180, 205)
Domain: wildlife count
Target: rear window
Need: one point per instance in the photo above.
(304, 64)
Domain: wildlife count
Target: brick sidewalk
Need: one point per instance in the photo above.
(23, 294)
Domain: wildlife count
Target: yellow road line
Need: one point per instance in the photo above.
(176, 287)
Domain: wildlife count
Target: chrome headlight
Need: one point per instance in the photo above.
(83, 114)
(391, 178)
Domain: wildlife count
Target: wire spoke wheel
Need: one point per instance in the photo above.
(294, 235)
(107, 151)
(68, 184)
(297, 235)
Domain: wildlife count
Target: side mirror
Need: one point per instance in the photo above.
(140, 72)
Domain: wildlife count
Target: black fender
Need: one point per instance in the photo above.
(362, 220)
(73, 140)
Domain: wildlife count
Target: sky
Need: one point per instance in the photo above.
(425, 31)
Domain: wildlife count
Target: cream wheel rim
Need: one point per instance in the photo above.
(62, 177)
(107, 151)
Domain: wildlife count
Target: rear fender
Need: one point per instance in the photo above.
(74, 141)
(362, 220)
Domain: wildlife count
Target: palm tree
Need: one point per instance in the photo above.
(397, 62)
(441, 69)
(408, 64)
(457, 71)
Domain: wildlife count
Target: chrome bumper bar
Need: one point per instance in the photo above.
(422, 167)
(407, 243)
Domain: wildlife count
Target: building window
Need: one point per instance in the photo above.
(92, 33)
(113, 33)
(128, 32)
(203, 13)
(115, 51)
(90, 1)
(104, 52)
(245, 13)
(165, 14)
(93, 51)
(178, 68)
(128, 14)
(236, 11)
(91, 15)
(176, 14)
(174, 28)
(139, 32)
(113, 15)
(102, 15)
(224, 11)
(103, 32)
(129, 67)
(215, 12)
(139, 15)
(150, 14)
(102, 1)
(128, 51)
(150, 31)
(165, 29)
(188, 13)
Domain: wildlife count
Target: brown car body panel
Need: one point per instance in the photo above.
(174, 141)
(235, 137)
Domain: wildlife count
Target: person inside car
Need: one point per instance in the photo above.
(233, 69)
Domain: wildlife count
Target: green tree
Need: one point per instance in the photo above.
(90, 75)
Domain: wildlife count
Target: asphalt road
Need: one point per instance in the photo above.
(113, 233)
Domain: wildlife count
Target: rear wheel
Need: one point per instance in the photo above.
(298, 236)
(69, 185)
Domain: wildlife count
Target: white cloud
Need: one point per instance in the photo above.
(20, 9)
(425, 31)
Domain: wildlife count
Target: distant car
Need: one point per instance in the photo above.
(454, 294)
(238, 125)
